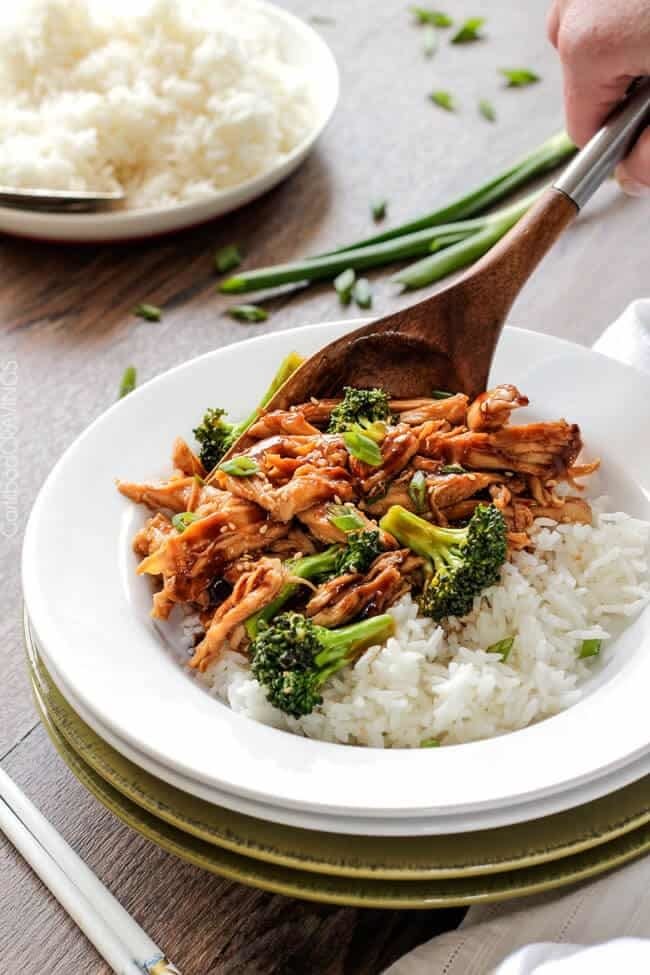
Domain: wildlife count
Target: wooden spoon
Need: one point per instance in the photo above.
(448, 340)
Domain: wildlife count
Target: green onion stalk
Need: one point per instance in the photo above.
(547, 156)
(330, 266)
(464, 252)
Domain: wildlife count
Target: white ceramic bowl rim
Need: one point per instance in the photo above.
(89, 611)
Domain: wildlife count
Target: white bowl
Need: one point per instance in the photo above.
(90, 612)
(307, 50)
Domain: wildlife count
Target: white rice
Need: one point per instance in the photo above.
(169, 100)
(439, 682)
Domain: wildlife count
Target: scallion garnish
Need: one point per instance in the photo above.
(486, 109)
(241, 466)
(362, 293)
(363, 448)
(128, 382)
(344, 517)
(183, 519)
(436, 18)
(150, 313)
(469, 31)
(429, 743)
(519, 77)
(227, 258)
(248, 313)
(452, 469)
(343, 285)
(443, 99)
(430, 41)
(503, 647)
(378, 209)
(590, 648)
(441, 394)
(417, 491)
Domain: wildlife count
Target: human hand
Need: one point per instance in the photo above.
(603, 46)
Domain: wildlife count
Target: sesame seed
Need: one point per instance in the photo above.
(264, 529)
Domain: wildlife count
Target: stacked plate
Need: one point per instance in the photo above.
(561, 800)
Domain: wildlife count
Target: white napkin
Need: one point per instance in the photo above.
(596, 928)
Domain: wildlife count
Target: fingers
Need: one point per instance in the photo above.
(553, 22)
(634, 172)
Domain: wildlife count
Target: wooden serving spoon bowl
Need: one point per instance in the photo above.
(448, 340)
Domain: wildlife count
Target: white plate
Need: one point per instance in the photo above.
(90, 611)
(305, 49)
(355, 825)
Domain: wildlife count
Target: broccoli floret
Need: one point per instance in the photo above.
(463, 561)
(215, 435)
(293, 657)
(359, 408)
(362, 549)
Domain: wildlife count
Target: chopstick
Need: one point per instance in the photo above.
(111, 929)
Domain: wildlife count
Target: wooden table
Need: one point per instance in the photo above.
(67, 325)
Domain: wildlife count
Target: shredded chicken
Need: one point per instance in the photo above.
(229, 553)
(252, 590)
(491, 410)
(342, 599)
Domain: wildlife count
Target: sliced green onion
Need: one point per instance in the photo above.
(452, 469)
(590, 648)
(443, 99)
(183, 519)
(343, 285)
(441, 394)
(503, 647)
(469, 31)
(227, 258)
(150, 313)
(486, 109)
(241, 466)
(434, 17)
(430, 41)
(378, 209)
(345, 518)
(199, 479)
(128, 382)
(248, 313)
(459, 255)
(519, 77)
(362, 293)
(417, 491)
(429, 743)
(363, 448)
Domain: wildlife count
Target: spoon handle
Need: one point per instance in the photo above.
(607, 147)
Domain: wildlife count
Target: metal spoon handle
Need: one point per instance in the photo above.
(607, 147)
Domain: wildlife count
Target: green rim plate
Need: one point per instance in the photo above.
(348, 891)
(518, 847)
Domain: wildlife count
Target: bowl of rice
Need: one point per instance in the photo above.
(189, 109)
(534, 725)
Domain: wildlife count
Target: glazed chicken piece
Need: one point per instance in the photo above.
(153, 533)
(453, 409)
(342, 599)
(172, 495)
(397, 448)
(445, 490)
(188, 561)
(185, 460)
(252, 590)
(317, 522)
(491, 410)
(545, 450)
(292, 423)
